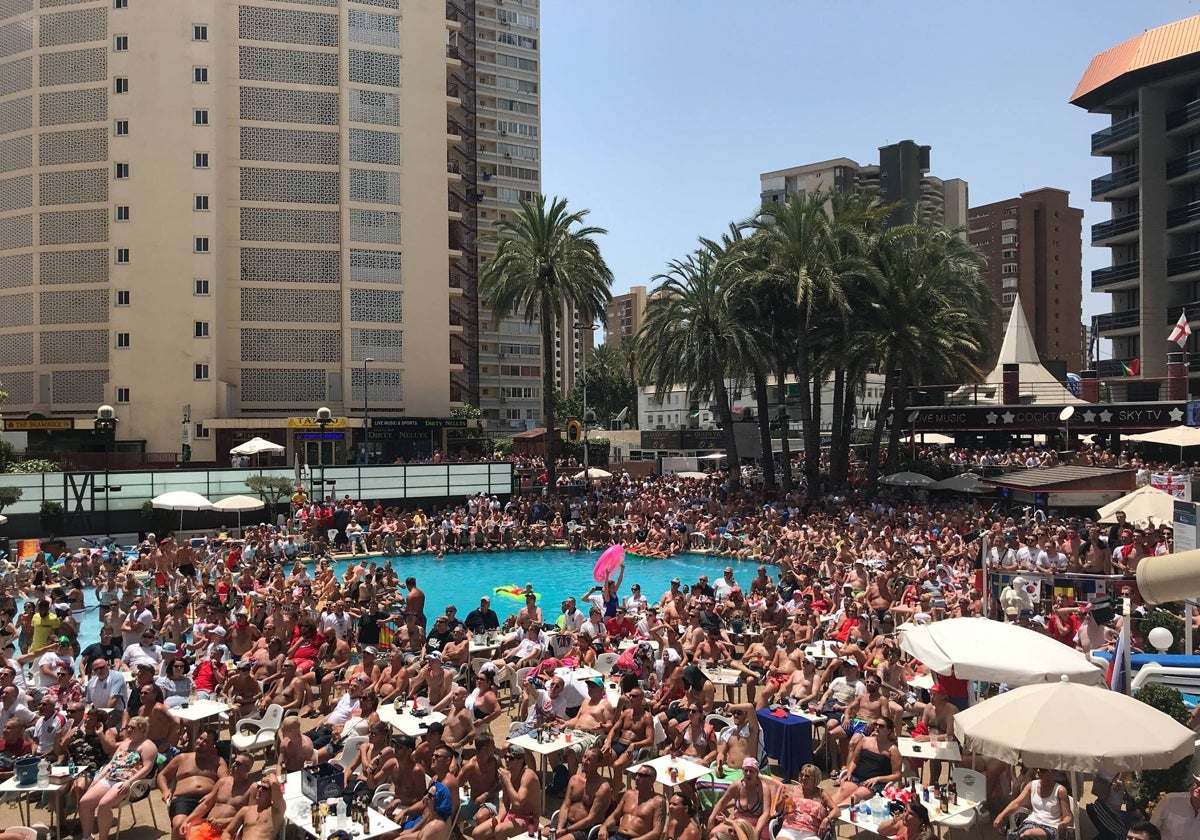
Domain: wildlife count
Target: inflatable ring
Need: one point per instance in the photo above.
(515, 591)
(612, 557)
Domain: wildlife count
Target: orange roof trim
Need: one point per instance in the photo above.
(1155, 46)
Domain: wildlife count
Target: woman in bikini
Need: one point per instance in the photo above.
(133, 760)
(751, 801)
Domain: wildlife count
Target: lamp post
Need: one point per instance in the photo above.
(324, 418)
(366, 414)
(587, 476)
(106, 424)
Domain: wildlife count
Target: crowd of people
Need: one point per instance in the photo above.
(260, 619)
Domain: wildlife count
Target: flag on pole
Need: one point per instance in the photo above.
(1131, 368)
(1115, 675)
(1181, 330)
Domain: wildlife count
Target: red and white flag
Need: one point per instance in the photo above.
(1181, 330)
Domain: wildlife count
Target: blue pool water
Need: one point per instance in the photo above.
(555, 574)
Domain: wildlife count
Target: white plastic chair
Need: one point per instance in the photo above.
(719, 722)
(349, 750)
(262, 734)
(605, 663)
(972, 786)
(23, 831)
(138, 791)
(1016, 817)
(384, 794)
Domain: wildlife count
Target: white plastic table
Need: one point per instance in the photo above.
(10, 785)
(195, 712)
(298, 813)
(577, 674)
(945, 750)
(688, 770)
(405, 722)
(530, 744)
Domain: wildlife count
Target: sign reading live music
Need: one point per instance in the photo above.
(1116, 417)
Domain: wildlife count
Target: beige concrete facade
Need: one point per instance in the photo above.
(225, 205)
(625, 315)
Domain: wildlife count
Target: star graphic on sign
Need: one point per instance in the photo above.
(1106, 416)
(1089, 416)
(1176, 414)
(1008, 417)
(992, 417)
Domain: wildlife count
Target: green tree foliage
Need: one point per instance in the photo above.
(1149, 785)
(9, 496)
(546, 263)
(272, 489)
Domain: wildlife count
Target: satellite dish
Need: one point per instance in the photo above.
(1067, 413)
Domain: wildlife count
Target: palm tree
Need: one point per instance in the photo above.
(547, 262)
(928, 317)
(692, 335)
(799, 246)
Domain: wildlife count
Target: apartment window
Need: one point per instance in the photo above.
(121, 128)
(200, 75)
(120, 4)
(200, 116)
(1008, 297)
(202, 431)
(121, 171)
(200, 160)
(200, 329)
(1008, 239)
(122, 256)
(200, 287)
(199, 32)
(122, 297)
(201, 204)
(121, 43)
(121, 84)
(123, 395)
(1008, 268)
(200, 372)
(122, 212)
(1009, 283)
(1010, 254)
(122, 341)
(200, 245)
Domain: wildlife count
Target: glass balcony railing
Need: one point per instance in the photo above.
(1123, 272)
(1125, 224)
(1105, 137)
(1114, 180)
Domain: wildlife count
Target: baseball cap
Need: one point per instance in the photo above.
(515, 751)
(370, 650)
(244, 665)
(64, 640)
(145, 666)
(596, 681)
(938, 687)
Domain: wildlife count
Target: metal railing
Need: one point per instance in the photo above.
(1114, 180)
(1185, 264)
(1189, 212)
(1117, 131)
(1119, 273)
(1125, 224)
(1183, 165)
(1119, 320)
(1181, 116)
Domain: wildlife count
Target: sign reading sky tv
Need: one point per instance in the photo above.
(1088, 417)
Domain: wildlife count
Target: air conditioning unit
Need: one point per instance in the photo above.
(505, 133)
(507, 156)
(504, 399)
(502, 355)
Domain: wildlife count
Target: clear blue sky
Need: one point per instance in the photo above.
(659, 115)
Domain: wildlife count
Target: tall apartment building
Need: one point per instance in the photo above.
(1033, 248)
(624, 316)
(201, 206)
(508, 130)
(901, 177)
(1149, 89)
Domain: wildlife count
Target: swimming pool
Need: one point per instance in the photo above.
(556, 574)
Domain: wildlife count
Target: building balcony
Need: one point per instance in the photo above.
(1124, 275)
(1188, 214)
(1117, 137)
(1184, 116)
(1184, 267)
(1127, 321)
(1185, 167)
(1124, 229)
(1192, 309)
(1117, 183)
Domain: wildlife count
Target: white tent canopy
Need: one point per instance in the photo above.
(592, 472)
(1174, 436)
(991, 651)
(1038, 385)
(1143, 505)
(967, 482)
(907, 479)
(257, 446)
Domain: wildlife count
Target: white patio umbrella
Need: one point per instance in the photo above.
(936, 438)
(1075, 728)
(967, 482)
(592, 472)
(691, 474)
(257, 446)
(1174, 436)
(1142, 505)
(3, 519)
(238, 505)
(907, 479)
(992, 651)
(181, 500)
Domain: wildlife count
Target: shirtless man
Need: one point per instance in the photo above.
(395, 679)
(938, 716)
(457, 651)
(335, 656)
(587, 800)
(290, 692)
(803, 686)
(520, 800)
(414, 602)
(262, 818)
(459, 722)
(595, 717)
(639, 814)
(228, 797)
(164, 727)
(268, 659)
(482, 775)
(410, 637)
(410, 778)
(436, 679)
(741, 742)
(242, 691)
(868, 707)
(188, 778)
(633, 730)
(242, 636)
(293, 748)
(757, 662)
